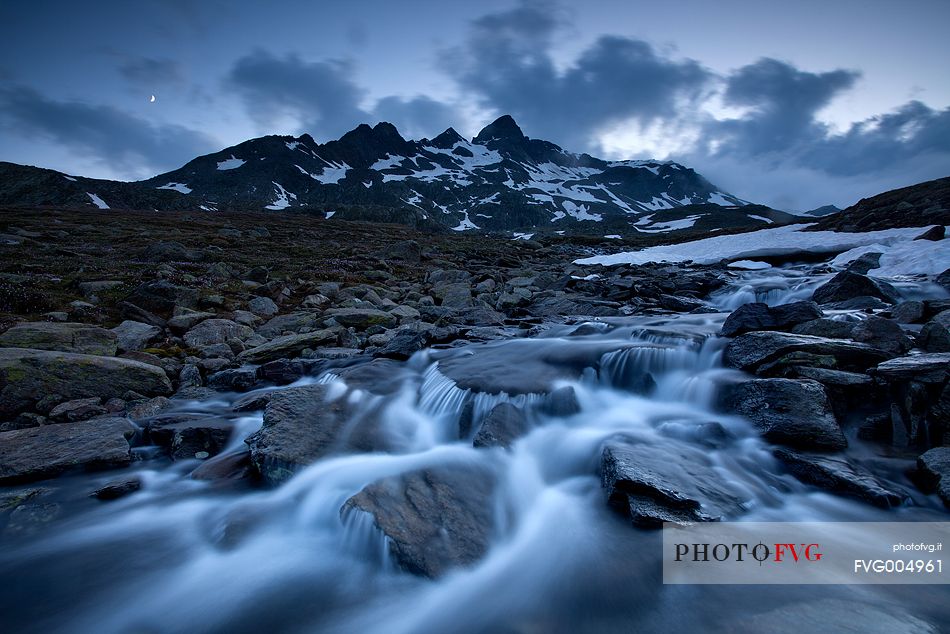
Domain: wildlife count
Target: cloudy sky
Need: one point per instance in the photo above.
(794, 104)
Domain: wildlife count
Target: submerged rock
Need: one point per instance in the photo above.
(435, 519)
(503, 425)
(186, 436)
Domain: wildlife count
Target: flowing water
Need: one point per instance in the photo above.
(183, 555)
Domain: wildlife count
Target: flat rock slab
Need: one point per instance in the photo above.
(754, 349)
(796, 413)
(925, 368)
(28, 375)
(287, 346)
(654, 484)
(838, 475)
(436, 519)
(68, 337)
(44, 452)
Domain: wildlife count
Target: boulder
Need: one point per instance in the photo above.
(161, 297)
(403, 344)
(300, 426)
(291, 323)
(33, 454)
(935, 234)
(212, 331)
(287, 346)
(652, 485)
(188, 436)
(935, 335)
(754, 349)
(65, 337)
(796, 413)
(837, 474)
(77, 409)
(263, 306)
(849, 285)
(933, 472)
(28, 375)
(503, 425)
(883, 334)
(234, 380)
(909, 312)
(132, 336)
(830, 328)
(117, 489)
(362, 318)
(407, 251)
(865, 263)
(759, 316)
(435, 520)
(185, 319)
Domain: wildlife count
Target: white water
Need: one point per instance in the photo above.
(187, 556)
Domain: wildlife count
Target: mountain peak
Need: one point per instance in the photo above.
(502, 128)
(447, 139)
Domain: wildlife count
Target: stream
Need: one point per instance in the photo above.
(184, 555)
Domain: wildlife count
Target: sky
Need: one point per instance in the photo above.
(794, 105)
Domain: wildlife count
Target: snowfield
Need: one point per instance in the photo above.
(902, 255)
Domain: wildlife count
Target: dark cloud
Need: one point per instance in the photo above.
(127, 144)
(148, 72)
(417, 117)
(783, 102)
(321, 96)
(506, 64)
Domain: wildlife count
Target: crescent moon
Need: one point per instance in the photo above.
(151, 99)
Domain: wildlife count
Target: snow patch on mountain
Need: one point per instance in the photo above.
(283, 198)
(98, 202)
(230, 164)
(178, 187)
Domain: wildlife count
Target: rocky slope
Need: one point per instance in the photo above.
(915, 206)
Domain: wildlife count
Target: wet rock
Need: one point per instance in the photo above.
(362, 318)
(132, 336)
(212, 331)
(288, 346)
(229, 466)
(935, 335)
(562, 402)
(864, 303)
(865, 263)
(33, 454)
(117, 489)
(790, 412)
(186, 435)
(503, 425)
(935, 234)
(837, 474)
(65, 337)
(652, 485)
(933, 472)
(301, 426)
(831, 615)
(235, 380)
(754, 349)
(829, 328)
(759, 316)
(436, 520)
(284, 371)
(882, 334)
(77, 409)
(27, 375)
(849, 392)
(849, 285)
